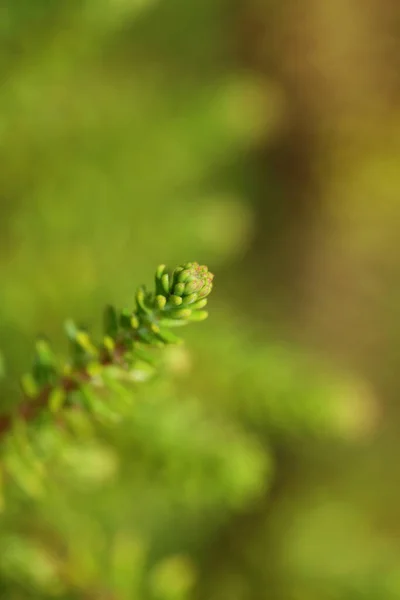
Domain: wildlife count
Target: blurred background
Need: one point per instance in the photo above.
(261, 138)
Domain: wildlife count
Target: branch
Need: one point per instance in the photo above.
(178, 299)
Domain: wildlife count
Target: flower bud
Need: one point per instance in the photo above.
(192, 280)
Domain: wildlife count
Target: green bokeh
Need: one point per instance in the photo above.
(132, 134)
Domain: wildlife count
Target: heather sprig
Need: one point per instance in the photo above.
(179, 298)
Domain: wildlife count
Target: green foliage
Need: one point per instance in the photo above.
(130, 133)
(177, 300)
(102, 443)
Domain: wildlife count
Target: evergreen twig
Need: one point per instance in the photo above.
(178, 299)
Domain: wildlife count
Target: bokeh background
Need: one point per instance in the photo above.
(261, 138)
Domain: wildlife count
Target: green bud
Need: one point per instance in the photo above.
(175, 300)
(161, 301)
(158, 279)
(165, 283)
(199, 304)
(198, 315)
(190, 299)
(183, 313)
(141, 301)
(184, 276)
(160, 271)
(205, 291)
(179, 289)
(176, 274)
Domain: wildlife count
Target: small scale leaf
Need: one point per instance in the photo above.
(190, 299)
(199, 304)
(108, 343)
(172, 323)
(83, 340)
(158, 279)
(71, 330)
(57, 398)
(98, 407)
(134, 322)
(165, 283)
(182, 313)
(144, 356)
(147, 336)
(110, 321)
(29, 385)
(160, 271)
(125, 319)
(94, 369)
(141, 301)
(168, 337)
(198, 315)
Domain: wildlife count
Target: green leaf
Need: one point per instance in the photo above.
(57, 398)
(148, 336)
(183, 313)
(158, 280)
(143, 355)
(71, 330)
(141, 301)
(190, 299)
(110, 321)
(44, 367)
(125, 319)
(172, 323)
(198, 315)
(199, 304)
(165, 283)
(168, 337)
(29, 385)
(98, 406)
